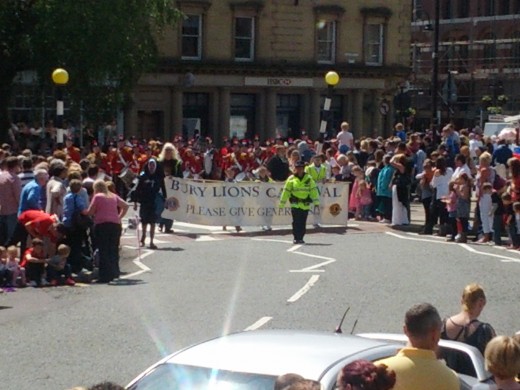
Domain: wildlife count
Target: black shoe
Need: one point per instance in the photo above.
(295, 241)
(301, 242)
(168, 231)
(152, 246)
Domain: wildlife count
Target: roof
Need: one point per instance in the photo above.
(276, 352)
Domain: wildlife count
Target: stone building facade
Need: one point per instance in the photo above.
(249, 68)
(479, 60)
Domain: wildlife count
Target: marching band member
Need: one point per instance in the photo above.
(73, 152)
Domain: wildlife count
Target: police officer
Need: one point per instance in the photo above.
(300, 189)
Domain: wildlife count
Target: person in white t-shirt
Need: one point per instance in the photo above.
(345, 137)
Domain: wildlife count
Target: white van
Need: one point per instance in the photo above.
(494, 128)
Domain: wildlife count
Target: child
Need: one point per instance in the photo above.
(486, 212)
(509, 221)
(317, 170)
(364, 198)
(353, 204)
(14, 267)
(463, 189)
(34, 262)
(451, 207)
(57, 268)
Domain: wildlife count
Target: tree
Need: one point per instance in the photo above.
(104, 45)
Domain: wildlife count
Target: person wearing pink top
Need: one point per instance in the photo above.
(107, 209)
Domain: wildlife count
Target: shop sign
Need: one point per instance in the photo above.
(278, 82)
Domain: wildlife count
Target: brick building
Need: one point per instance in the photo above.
(256, 67)
(479, 60)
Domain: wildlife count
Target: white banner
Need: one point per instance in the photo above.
(218, 203)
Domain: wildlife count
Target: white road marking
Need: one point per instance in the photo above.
(272, 240)
(312, 281)
(294, 247)
(313, 268)
(206, 237)
(504, 259)
(137, 262)
(467, 247)
(258, 324)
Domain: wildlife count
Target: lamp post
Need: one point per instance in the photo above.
(331, 79)
(60, 78)
(435, 75)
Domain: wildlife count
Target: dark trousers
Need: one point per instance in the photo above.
(498, 227)
(34, 272)
(107, 236)
(167, 223)
(426, 202)
(74, 239)
(7, 226)
(513, 235)
(20, 235)
(59, 275)
(299, 223)
(437, 211)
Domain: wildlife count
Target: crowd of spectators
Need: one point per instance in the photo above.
(51, 190)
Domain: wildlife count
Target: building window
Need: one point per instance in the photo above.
(515, 50)
(192, 37)
(503, 7)
(374, 44)
(463, 9)
(326, 42)
(490, 50)
(489, 7)
(446, 10)
(244, 38)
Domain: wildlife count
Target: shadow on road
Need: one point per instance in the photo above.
(169, 249)
(126, 282)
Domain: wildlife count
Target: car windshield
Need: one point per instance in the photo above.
(182, 377)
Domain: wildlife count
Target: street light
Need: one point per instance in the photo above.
(60, 77)
(331, 79)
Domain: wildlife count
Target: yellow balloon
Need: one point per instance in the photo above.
(331, 78)
(60, 76)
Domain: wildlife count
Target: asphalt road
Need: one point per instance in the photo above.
(202, 283)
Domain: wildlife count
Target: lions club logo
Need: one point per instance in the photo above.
(335, 209)
(172, 204)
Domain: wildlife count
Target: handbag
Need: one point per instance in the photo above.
(80, 221)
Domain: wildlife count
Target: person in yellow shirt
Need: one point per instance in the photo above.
(317, 170)
(300, 189)
(416, 366)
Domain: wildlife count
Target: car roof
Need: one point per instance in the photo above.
(276, 352)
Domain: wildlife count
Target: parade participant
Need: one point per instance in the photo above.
(108, 209)
(278, 164)
(230, 178)
(317, 170)
(416, 366)
(169, 164)
(73, 152)
(98, 158)
(301, 191)
(149, 186)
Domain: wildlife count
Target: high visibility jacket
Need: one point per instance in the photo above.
(302, 193)
(318, 174)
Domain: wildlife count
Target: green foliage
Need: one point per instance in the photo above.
(105, 45)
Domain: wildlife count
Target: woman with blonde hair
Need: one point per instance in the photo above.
(107, 209)
(169, 165)
(466, 326)
(502, 356)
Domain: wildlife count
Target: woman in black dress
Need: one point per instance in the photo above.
(170, 164)
(151, 183)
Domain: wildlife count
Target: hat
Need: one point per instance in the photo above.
(299, 164)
